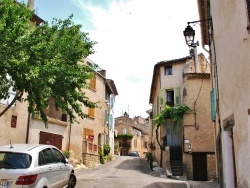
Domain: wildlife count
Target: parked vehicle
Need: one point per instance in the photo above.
(34, 166)
(134, 153)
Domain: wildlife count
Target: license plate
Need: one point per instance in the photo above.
(5, 182)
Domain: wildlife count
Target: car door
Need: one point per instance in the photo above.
(52, 167)
(64, 167)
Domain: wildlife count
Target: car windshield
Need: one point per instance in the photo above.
(14, 160)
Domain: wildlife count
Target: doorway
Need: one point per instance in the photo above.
(199, 167)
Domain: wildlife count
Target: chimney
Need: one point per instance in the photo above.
(31, 4)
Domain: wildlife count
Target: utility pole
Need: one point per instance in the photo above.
(31, 4)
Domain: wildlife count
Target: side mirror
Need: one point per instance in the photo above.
(64, 160)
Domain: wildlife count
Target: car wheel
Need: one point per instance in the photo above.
(72, 181)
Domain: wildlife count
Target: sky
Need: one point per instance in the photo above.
(132, 36)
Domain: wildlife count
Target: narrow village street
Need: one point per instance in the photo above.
(128, 172)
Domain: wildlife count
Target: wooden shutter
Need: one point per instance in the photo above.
(93, 83)
(177, 96)
(162, 98)
(213, 105)
(51, 139)
(91, 112)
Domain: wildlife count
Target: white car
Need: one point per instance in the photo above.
(34, 166)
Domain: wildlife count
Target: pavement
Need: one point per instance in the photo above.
(158, 171)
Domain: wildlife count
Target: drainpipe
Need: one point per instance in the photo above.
(28, 129)
(70, 125)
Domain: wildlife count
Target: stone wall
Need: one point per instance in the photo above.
(90, 160)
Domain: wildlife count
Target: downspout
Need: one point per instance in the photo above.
(70, 125)
(28, 129)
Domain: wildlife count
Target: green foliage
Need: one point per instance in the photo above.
(108, 158)
(173, 113)
(101, 156)
(43, 62)
(129, 136)
(66, 153)
(106, 149)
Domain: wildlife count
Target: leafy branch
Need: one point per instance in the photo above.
(173, 113)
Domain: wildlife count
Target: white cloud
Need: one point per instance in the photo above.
(132, 37)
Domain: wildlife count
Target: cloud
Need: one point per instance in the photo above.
(132, 37)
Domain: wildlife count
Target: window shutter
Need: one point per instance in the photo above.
(177, 97)
(93, 83)
(105, 117)
(111, 102)
(110, 121)
(213, 105)
(91, 112)
(162, 98)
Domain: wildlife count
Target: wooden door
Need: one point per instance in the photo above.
(200, 167)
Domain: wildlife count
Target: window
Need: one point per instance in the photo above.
(124, 131)
(48, 156)
(170, 98)
(91, 112)
(58, 155)
(168, 70)
(145, 145)
(13, 121)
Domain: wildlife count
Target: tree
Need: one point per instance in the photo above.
(42, 62)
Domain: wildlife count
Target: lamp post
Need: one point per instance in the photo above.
(189, 34)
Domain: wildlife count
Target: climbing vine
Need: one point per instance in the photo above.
(173, 113)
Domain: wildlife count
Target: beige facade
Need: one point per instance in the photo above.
(138, 128)
(83, 139)
(229, 43)
(13, 124)
(184, 81)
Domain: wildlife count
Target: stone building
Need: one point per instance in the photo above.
(184, 82)
(225, 33)
(132, 134)
(83, 139)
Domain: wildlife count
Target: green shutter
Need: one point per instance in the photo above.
(213, 105)
(162, 98)
(177, 96)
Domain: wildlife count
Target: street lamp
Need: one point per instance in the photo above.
(189, 34)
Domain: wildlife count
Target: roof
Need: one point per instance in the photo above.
(156, 72)
(125, 120)
(112, 87)
(198, 75)
(203, 14)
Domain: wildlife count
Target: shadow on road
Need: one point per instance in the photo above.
(166, 185)
(134, 163)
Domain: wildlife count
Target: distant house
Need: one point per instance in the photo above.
(132, 135)
(177, 82)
